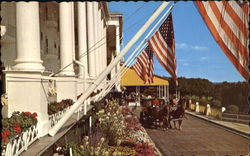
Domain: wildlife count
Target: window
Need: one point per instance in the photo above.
(58, 25)
(59, 53)
(46, 12)
(41, 40)
(47, 46)
(41, 35)
(54, 44)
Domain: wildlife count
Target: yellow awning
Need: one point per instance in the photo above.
(130, 78)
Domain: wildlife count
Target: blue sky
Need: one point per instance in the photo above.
(197, 53)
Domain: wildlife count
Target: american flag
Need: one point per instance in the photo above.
(228, 23)
(163, 45)
(150, 67)
(145, 65)
(139, 70)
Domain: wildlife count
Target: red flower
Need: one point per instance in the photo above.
(7, 132)
(17, 129)
(34, 115)
(62, 103)
(16, 124)
(3, 134)
(27, 113)
(4, 137)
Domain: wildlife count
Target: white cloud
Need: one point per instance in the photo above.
(185, 46)
(184, 60)
(199, 48)
(203, 58)
(181, 46)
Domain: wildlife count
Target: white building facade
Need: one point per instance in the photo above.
(66, 45)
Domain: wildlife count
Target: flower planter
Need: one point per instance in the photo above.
(21, 142)
(54, 118)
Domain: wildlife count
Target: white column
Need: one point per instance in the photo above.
(66, 37)
(105, 45)
(117, 43)
(95, 22)
(73, 30)
(82, 37)
(102, 45)
(28, 37)
(90, 28)
(117, 33)
(99, 35)
(104, 52)
(197, 109)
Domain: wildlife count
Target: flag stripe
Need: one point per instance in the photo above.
(228, 26)
(224, 42)
(162, 59)
(144, 66)
(161, 53)
(238, 10)
(138, 70)
(167, 67)
(223, 36)
(237, 20)
(162, 44)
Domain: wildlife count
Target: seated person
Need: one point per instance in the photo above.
(173, 104)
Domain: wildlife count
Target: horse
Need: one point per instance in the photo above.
(164, 113)
(178, 114)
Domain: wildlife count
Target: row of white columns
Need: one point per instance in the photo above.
(91, 29)
(90, 32)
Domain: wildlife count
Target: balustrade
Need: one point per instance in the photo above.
(21, 142)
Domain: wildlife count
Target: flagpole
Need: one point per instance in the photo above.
(102, 76)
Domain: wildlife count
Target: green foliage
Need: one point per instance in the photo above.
(85, 148)
(55, 107)
(235, 93)
(216, 103)
(203, 100)
(195, 98)
(187, 97)
(16, 124)
(233, 109)
(111, 122)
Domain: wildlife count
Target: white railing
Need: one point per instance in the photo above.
(54, 118)
(21, 142)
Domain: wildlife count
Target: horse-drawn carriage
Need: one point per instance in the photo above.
(157, 113)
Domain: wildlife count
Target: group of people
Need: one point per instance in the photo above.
(161, 115)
